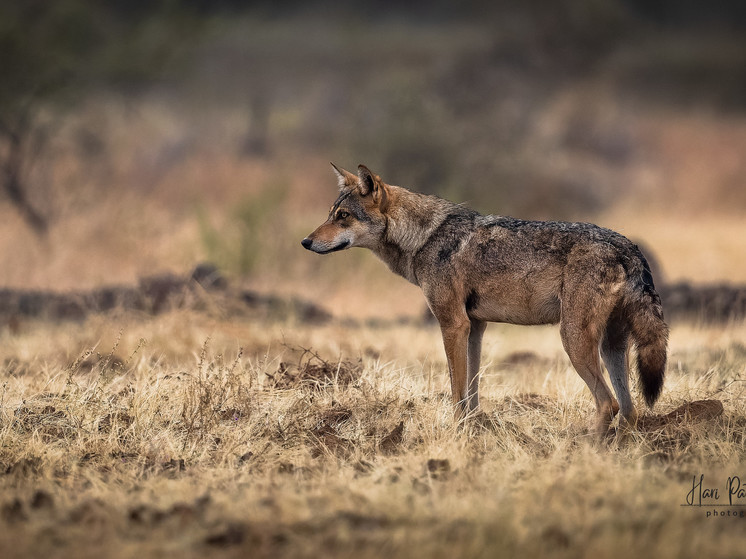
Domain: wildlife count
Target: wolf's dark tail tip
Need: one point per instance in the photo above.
(650, 334)
(651, 378)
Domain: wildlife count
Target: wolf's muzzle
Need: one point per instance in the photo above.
(308, 244)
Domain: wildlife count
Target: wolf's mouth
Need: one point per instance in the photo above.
(341, 246)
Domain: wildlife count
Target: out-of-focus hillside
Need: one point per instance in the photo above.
(604, 111)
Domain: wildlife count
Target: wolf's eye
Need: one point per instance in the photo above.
(342, 215)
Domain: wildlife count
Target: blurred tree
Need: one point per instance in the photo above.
(53, 52)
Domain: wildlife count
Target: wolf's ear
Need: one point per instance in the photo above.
(345, 179)
(370, 183)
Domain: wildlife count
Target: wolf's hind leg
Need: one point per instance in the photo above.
(582, 348)
(614, 353)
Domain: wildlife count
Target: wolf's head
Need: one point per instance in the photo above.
(358, 216)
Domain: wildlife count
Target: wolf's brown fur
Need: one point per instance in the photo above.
(475, 269)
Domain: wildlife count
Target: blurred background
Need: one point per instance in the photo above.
(141, 137)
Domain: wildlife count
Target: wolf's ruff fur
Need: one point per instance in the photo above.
(475, 269)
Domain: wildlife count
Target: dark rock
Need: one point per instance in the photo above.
(209, 277)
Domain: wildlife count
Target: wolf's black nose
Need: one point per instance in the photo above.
(306, 243)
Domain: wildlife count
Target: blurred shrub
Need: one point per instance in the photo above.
(255, 230)
(403, 131)
(53, 55)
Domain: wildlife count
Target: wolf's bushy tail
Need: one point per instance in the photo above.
(649, 332)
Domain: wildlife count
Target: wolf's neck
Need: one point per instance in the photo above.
(412, 218)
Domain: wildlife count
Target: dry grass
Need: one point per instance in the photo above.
(165, 438)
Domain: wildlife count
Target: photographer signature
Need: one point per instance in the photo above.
(733, 493)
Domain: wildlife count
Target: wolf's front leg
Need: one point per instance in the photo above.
(456, 339)
(474, 355)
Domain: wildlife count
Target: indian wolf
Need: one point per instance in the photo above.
(475, 269)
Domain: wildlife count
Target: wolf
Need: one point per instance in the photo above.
(475, 269)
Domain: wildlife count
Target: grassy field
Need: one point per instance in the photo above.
(223, 430)
(186, 435)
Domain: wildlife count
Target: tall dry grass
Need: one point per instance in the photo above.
(183, 435)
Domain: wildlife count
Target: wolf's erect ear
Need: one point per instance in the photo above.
(371, 183)
(345, 179)
(368, 181)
